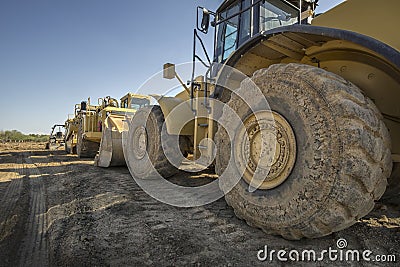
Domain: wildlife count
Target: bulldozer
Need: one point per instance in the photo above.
(100, 127)
(56, 138)
(332, 82)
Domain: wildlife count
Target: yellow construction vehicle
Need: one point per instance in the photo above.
(111, 127)
(71, 131)
(88, 134)
(56, 138)
(332, 83)
(100, 127)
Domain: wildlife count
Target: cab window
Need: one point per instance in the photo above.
(245, 20)
(230, 31)
(276, 13)
(137, 103)
(234, 31)
(124, 103)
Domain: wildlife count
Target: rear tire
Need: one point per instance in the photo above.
(144, 152)
(343, 154)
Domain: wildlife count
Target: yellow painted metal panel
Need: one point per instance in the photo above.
(377, 19)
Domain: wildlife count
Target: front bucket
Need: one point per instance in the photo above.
(110, 151)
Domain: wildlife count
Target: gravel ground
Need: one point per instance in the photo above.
(59, 210)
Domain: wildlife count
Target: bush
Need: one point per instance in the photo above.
(15, 135)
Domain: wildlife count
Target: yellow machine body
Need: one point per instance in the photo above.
(110, 127)
(355, 40)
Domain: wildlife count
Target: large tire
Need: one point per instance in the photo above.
(392, 194)
(85, 148)
(343, 154)
(149, 122)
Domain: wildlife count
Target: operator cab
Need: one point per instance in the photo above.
(133, 101)
(237, 23)
(240, 20)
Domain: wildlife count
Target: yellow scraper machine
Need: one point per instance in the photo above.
(95, 131)
(332, 83)
(112, 120)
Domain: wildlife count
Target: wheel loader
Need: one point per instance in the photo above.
(100, 128)
(332, 83)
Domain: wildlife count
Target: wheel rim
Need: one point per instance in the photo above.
(273, 165)
(139, 142)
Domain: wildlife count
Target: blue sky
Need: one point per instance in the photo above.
(55, 53)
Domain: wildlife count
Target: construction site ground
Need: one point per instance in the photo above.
(57, 209)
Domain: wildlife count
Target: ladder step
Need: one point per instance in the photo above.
(203, 124)
(202, 147)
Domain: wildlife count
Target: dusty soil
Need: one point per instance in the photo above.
(22, 146)
(57, 209)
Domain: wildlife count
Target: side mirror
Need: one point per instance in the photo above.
(169, 71)
(205, 21)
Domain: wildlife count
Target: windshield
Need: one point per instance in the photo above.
(240, 21)
(275, 13)
(137, 103)
(234, 31)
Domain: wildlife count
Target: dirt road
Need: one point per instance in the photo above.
(57, 209)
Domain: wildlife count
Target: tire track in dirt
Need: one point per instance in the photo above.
(33, 251)
(102, 217)
(69, 200)
(11, 195)
(167, 227)
(170, 227)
